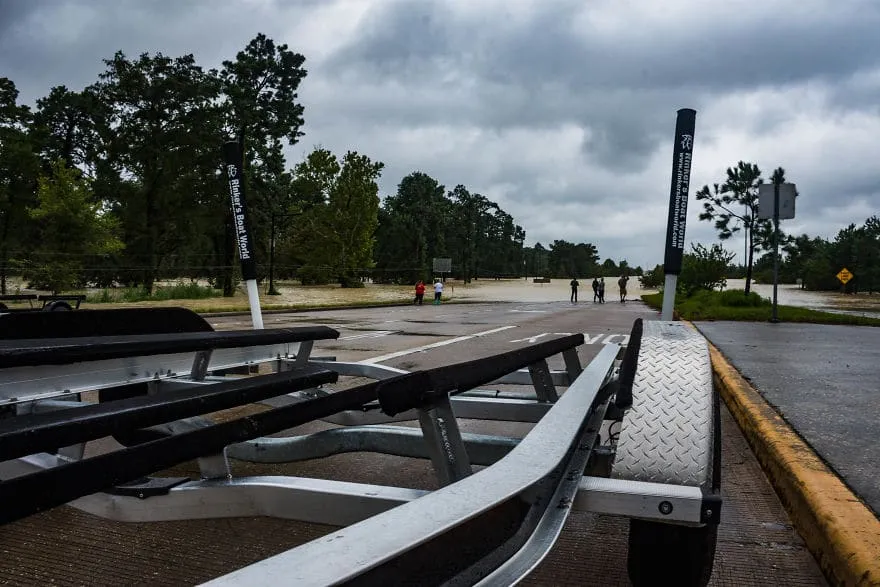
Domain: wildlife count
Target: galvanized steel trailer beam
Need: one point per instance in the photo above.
(381, 539)
(38, 369)
(419, 390)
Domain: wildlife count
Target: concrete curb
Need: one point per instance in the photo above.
(839, 530)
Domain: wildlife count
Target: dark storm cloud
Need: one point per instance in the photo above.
(618, 86)
(406, 38)
(561, 111)
(57, 42)
(13, 12)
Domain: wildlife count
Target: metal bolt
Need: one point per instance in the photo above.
(708, 513)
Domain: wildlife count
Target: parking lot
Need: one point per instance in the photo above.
(757, 545)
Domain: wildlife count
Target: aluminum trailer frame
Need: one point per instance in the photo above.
(491, 527)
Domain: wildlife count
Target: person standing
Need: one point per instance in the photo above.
(438, 291)
(420, 292)
(621, 283)
(574, 289)
(602, 290)
(595, 290)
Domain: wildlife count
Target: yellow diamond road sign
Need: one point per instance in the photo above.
(844, 275)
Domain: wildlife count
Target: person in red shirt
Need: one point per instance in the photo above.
(420, 292)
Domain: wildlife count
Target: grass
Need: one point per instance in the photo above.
(179, 291)
(734, 305)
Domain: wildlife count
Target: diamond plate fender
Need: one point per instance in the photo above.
(667, 434)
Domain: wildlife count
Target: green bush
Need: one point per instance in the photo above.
(736, 298)
(653, 279)
(704, 269)
(178, 291)
(314, 275)
(351, 281)
(184, 291)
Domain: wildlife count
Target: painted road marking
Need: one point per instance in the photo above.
(375, 334)
(606, 339)
(598, 339)
(419, 349)
(531, 339)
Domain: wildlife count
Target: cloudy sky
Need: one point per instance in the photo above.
(561, 111)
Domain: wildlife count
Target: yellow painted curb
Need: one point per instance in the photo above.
(840, 531)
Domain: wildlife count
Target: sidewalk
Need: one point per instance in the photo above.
(806, 397)
(824, 380)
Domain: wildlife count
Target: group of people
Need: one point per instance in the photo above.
(420, 292)
(599, 289)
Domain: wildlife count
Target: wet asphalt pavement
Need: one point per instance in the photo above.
(824, 380)
(757, 545)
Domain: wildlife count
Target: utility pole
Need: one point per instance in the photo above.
(775, 317)
(776, 201)
(272, 291)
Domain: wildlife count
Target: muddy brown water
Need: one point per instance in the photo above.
(490, 290)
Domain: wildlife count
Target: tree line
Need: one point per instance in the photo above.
(121, 183)
(732, 205)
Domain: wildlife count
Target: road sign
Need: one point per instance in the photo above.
(787, 194)
(844, 276)
(442, 265)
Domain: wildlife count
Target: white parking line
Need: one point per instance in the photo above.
(532, 338)
(419, 349)
(375, 334)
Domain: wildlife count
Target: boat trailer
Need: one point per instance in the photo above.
(634, 433)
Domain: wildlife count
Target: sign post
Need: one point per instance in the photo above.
(234, 159)
(682, 154)
(442, 265)
(777, 198)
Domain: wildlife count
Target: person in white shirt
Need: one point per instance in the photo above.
(438, 291)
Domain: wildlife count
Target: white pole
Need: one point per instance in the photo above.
(668, 297)
(254, 301)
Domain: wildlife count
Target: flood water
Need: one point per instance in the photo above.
(507, 290)
(793, 295)
(522, 290)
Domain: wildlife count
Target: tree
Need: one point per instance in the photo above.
(336, 236)
(537, 261)
(412, 228)
(740, 188)
(72, 227)
(610, 267)
(71, 126)
(798, 252)
(19, 167)
(567, 259)
(704, 269)
(653, 279)
(262, 110)
(869, 252)
(468, 222)
(164, 122)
